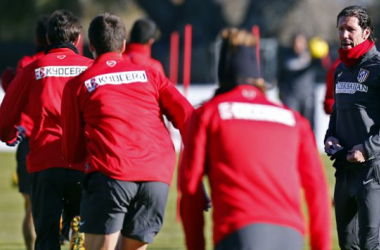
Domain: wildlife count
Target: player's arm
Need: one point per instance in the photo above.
(174, 105)
(191, 171)
(313, 180)
(13, 105)
(73, 133)
(7, 77)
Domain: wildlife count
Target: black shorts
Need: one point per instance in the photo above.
(135, 208)
(262, 236)
(24, 181)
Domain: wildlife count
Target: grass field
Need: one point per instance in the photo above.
(170, 237)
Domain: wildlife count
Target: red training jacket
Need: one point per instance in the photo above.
(114, 112)
(329, 97)
(258, 156)
(37, 91)
(25, 121)
(140, 54)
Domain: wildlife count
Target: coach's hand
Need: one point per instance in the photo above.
(332, 145)
(357, 154)
(20, 135)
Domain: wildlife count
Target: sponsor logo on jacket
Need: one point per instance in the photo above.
(116, 79)
(350, 87)
(256, 112)
(58, 71)
(363, 75)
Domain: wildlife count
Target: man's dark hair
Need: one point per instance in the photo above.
(106, 33)
(41, 29)
(362, 15)
(142, 31)
(63, 27)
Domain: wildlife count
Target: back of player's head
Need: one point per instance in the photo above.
(142, 31)
(238, 61)
(41, 29)
(106, 33)
(63, 27)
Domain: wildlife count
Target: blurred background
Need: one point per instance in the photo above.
(278, 21)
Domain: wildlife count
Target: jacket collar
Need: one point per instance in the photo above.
(139, 48)
(108, 56)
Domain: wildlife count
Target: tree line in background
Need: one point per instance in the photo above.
(277, 19)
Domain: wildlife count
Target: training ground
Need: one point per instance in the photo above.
(171, 235)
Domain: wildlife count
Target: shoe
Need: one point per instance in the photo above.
(77, 238)
(14, 179)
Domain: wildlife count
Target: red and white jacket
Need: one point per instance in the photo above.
(140, 54)
(37, 91)
(258, 156)
(113, 113)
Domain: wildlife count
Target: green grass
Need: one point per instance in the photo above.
(170, 237)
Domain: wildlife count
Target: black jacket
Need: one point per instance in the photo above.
(356, 113)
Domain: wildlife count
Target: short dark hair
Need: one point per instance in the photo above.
(362, 15)
(41, 29)
(106, 33)
(63, 27)
(143, 30)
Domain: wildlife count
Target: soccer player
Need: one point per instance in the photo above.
(112, 116)
(353, 135)
(23, 147)
(258, 156)
(37, 91)
(138, 50)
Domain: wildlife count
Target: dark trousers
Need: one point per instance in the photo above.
(262, 237)
(54, 192)
(357, 208)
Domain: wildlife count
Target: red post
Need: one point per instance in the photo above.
(256, 33)
(174, 53)
(187, 59)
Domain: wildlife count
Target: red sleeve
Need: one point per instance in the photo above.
(329, 97)
(13, 105)
(192, 202)
(174, 105)
(73, 133)
(314, 182)
(7, 77)
(23, 62)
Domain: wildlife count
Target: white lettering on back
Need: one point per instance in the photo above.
(58, 71)
(117, 78)
(257, 112)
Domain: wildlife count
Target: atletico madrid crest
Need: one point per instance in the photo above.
(363, 75)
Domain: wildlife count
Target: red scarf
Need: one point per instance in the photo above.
(350, 57)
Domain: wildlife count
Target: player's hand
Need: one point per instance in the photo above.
(357, 154)
(20, 135)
